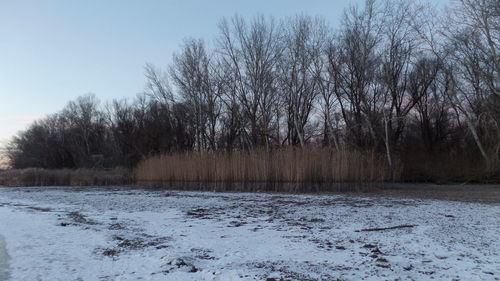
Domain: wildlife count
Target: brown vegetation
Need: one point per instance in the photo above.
(312, 169)
(296, 170)
(64, 177)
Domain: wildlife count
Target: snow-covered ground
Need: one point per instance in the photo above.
(132, 234)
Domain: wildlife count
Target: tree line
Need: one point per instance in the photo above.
(396, 77)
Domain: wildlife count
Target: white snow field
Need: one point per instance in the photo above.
(64, 233)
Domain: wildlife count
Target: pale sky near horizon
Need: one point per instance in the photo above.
(52, 51)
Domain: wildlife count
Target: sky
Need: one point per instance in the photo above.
(52, 51)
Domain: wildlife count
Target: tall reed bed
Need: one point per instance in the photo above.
(65, 177)
(311, 169)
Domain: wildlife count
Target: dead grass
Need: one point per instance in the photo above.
(296, 170)
(65, 177)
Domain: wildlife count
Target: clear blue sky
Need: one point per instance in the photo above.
(52, 51)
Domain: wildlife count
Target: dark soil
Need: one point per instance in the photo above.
(479, 193)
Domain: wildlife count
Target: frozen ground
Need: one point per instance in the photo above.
(132, 234)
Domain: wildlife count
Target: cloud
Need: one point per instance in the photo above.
(19, 119)
(11, 124)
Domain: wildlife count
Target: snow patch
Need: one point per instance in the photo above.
(131, 234)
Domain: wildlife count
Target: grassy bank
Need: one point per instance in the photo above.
(65, 177)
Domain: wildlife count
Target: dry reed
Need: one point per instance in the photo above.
(295, 170)
(65, 177)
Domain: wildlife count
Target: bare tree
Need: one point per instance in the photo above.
(300, 70)
(406, 69)
(473, 36)
(157, 86)
(87, 123)
(251, 51)
(192, 74)
(353, 68)
(395, 78)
